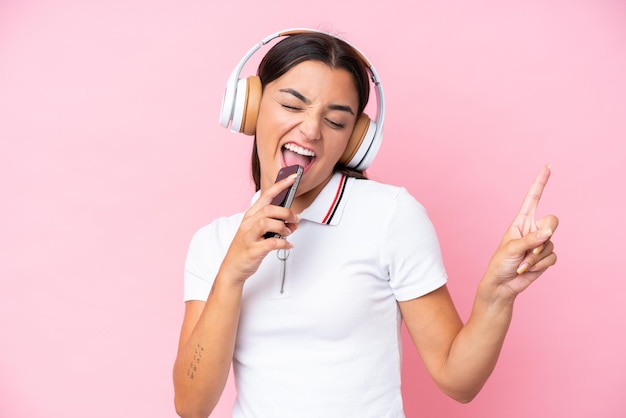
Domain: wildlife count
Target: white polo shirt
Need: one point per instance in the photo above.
(329, 345)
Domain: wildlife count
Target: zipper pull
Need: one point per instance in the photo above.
(283, 255)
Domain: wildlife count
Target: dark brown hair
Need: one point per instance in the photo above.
(313, 46)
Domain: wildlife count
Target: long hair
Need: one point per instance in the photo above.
(313, 46)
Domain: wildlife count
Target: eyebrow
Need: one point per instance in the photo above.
(300, 97)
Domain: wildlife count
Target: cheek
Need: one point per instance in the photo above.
(273, 119)
(336, 145)
(261, 127)
(266, 136)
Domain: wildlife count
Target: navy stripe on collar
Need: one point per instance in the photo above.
(336, 201)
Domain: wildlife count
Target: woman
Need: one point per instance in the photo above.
(311, 323)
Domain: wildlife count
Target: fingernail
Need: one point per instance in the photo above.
(521, 269)
(537, 250)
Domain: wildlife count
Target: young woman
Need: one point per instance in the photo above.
(311, 322)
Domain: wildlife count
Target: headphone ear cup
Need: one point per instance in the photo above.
(246, 106)
(360, 142)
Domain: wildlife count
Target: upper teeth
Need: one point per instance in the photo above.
(299, 150)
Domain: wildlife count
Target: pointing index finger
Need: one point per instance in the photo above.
(531, 201)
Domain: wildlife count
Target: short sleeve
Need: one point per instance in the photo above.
(205, 254)
(411, 250)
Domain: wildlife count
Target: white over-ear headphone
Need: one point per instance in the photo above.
(242, 97)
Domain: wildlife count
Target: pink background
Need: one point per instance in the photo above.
(111, 157)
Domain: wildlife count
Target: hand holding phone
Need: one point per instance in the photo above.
(285, 198)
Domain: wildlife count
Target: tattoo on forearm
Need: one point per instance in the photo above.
(195, 361)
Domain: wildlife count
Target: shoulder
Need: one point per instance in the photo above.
(210, 242)
(220, 230)
(387, 208)
(377, 195)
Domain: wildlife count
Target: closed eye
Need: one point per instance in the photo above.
(336, 125)
(289, 107)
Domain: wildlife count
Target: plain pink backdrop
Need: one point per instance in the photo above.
(111, 157)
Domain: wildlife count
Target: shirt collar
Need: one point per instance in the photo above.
(328, 206)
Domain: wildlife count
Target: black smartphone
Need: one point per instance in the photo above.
(285, 198)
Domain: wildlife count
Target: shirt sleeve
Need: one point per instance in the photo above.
(205, 254)
(199, 274)
(411, 250)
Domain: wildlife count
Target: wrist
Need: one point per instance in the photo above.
(494, 295)
(227, 282)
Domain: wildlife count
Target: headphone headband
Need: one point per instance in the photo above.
(366, 149)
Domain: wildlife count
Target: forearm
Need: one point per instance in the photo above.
(203, 362)
(475, 349)
(460, 358)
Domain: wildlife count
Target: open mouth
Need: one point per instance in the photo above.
(295, 154)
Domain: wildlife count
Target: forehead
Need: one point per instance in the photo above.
(314, 78)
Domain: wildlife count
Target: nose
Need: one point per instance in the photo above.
(310, 127)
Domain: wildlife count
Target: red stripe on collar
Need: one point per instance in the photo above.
(336, 200)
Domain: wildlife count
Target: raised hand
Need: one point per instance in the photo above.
(526, 250)
(249, 247)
